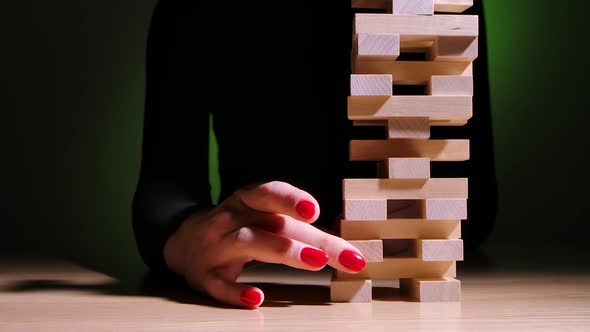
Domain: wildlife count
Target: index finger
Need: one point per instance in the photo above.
(283, 198)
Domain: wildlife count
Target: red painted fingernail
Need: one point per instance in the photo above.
(314, 257)
(352, 260)
(306, 209)
(250, 297)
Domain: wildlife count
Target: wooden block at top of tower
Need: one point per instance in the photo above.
(432, 289)
(413, 72)
(403, 267)
(455, 48)
(436, 150)
(413, 7)
(417, 27)
(444, 6)
(406, 189)
(438, 108)
(371, 85)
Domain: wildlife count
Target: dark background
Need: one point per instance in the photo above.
(72, 88)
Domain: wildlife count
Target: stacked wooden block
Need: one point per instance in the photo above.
(405, 208)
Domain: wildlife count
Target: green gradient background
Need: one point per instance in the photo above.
(72, 98)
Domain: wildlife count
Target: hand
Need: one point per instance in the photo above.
(268, 223)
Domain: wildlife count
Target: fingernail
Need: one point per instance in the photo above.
(352, 260)
(250, 297)
(314, 257)
(306, 209)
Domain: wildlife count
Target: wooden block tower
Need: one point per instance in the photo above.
(406, 44)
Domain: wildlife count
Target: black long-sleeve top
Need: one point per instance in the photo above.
(274, 79)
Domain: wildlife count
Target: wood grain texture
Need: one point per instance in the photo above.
(417, 27)
(458, 108)
(445, 209)
(351, 290)
(405, 168)
(365, 209)
(403, 267)
(454, 49)
(450, 86)
(413, 72)
(416, 128)
(400, 229)
(372, 46)
(439, 250)
(413, 7)
(354, 189)
(372, 250)
(437, 150)
(432, 289)
(443, 6)
(371, 85)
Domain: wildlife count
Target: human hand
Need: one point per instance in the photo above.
(270, 223)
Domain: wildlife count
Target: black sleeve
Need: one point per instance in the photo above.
(174, 178)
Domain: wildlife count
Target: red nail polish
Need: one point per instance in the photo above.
(314, 257)
(352, 260)
(306, 209)
(250, 297)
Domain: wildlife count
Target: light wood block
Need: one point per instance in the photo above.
(418, 128)
(351, 290)
(356, 189)
(439, 250)
(413, 7)
(371, 85)
(413, 72)
(445, 209)
(365, 209)
(403, 267)
(405, 168)
(454, 49)
(374, 46)
(417, 27)
(450, 86)
(383, 123)
(436, 150)
(444, 6)
(459, 108)
(372, 250)
(432, 289)
(400, 229)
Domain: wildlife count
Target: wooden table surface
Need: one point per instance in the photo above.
(54, 296)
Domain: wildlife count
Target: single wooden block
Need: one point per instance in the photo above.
(418, 128)
(405, 168)
(413, 7)
(450, 86)
(403, 267)
(432, 289)
(372, 108)
(417, 27)
(445, 209)
(439, 250)
(383, 123)
(413, 72)
(452, 6)
(372, 250)
(400, 229)
(372, 46)
(436, 150)
(365, 209)
(454, 49)
(371, 85)
(351, 290)
(356, 189)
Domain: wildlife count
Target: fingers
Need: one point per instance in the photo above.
(343, 255)
(231, 292)
(283, 198)
(252, 243)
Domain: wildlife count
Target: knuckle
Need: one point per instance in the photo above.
(241, 237)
